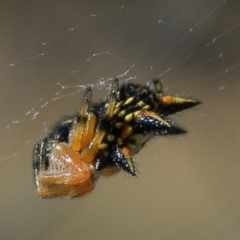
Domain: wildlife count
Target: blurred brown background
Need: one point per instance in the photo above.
(187, 187)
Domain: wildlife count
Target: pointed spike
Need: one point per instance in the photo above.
(146, 113)
(124, 159)
(175, 130)
(150, 122)
(171, 105)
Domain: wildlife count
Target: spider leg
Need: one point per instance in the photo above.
(112, 99)
(78, 128)
(89, 154)
(158, 86)
(106, 168)
(137, 141)
(61, 190)
(66, 174)
(89, 129)
(107, 172)
(83, 138)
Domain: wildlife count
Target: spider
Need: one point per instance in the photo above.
(102, 138)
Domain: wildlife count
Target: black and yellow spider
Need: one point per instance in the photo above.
(102, 138)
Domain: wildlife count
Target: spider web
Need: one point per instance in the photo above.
(50, 51)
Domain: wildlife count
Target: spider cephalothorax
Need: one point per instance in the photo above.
(102, 138)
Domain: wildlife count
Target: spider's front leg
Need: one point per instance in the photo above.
(88, 155)
(83, 125)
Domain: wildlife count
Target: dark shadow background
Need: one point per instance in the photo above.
(187, 187)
